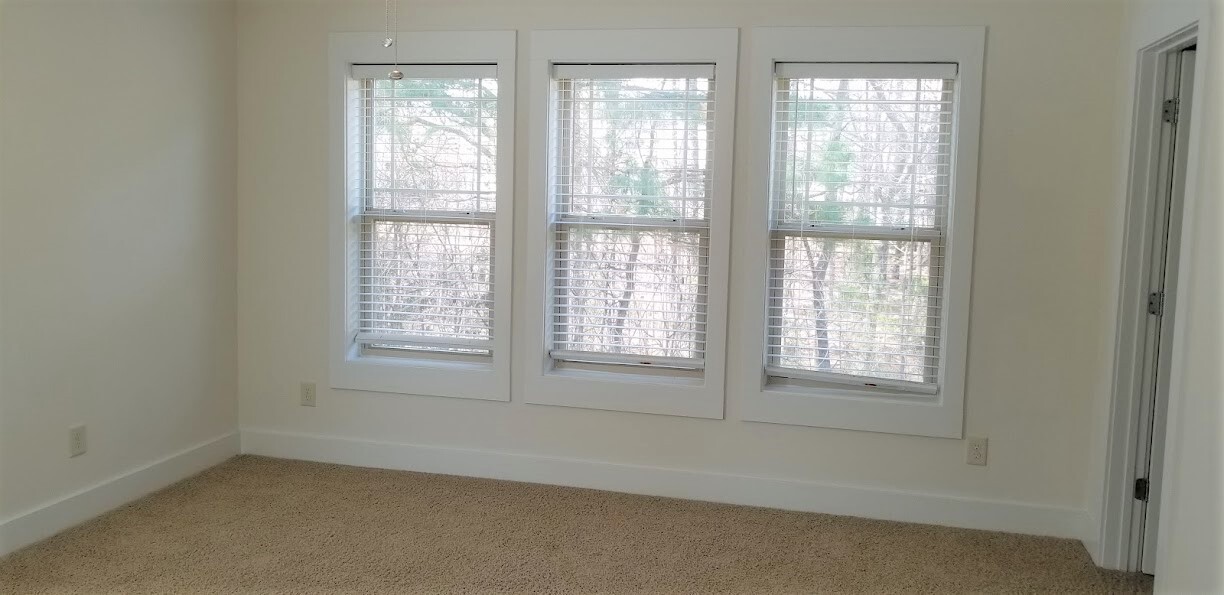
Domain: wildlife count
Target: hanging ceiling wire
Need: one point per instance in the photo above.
(392, 38)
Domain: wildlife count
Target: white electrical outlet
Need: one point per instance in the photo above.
(975, 451)
(308, 394)
(76, 441)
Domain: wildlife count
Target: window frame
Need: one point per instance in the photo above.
(691, 393)
(934, 236)
(833, 404)
(353, 366)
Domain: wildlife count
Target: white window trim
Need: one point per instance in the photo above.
(657, 392)
(830, 405)
(429, 374)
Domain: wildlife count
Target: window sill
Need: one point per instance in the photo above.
(629, 391)
(835, 390)
(425, 376)
(855, 409)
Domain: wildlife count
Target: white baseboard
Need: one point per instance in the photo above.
(40, 523)
(787, 494)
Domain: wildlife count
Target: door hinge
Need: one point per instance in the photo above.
(1156, 303)
(1168, 111)
(1141, 489)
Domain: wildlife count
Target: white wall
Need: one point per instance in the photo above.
(1045, 207)
(117, 239)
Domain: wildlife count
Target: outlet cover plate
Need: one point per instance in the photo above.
(309, 394)
(976, 450)
(76, 441)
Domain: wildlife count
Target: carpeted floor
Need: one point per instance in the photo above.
(264, 525)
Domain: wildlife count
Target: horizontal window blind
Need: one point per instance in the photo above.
(423, 171)
(861, 163)
(629, 213)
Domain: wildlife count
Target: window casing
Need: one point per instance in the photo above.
(629, 219)
(867, 154)
(421, 244)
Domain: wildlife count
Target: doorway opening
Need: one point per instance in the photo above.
(1173, 145)
(1162, 161)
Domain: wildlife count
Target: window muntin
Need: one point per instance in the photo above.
(859, 193)
(629, 213)
(424, 155)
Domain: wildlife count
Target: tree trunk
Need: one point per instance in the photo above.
(820, 273)
(618, 330)
(820, 267)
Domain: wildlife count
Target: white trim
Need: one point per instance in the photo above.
(629, 391)
(624, 71)
(831, 406)
(411, 341)
(1114, 540)
(426, 71)
(770, 492)
(591, 357)
(835, 70)
(426, 375)
(34, 525)
(860, 381)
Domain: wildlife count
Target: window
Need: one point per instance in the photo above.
(858, 215)
(427, 210)
(426, 222)
(866, 240)
(630, 219)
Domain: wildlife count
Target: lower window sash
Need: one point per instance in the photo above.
(627, 359)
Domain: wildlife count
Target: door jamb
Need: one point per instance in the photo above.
(1115, 537)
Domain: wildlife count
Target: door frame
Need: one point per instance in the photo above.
(1117, 548)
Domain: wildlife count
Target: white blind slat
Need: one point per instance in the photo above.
(864, 70)
(860, 179)
(631, 71)
(424, 160)
(629, 213)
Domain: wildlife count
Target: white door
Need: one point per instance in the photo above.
(1174, 143)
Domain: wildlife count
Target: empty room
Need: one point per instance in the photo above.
(633, 297)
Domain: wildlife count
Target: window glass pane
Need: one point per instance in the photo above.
(861, 307)
(432, 144)
(862, 151)
(634, 147)
(630, 291)
(426, 279)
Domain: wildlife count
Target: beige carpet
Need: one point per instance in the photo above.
(270, 526)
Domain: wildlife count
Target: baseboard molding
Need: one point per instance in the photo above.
(40, 523)
(1091, 539)
(787, 494)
